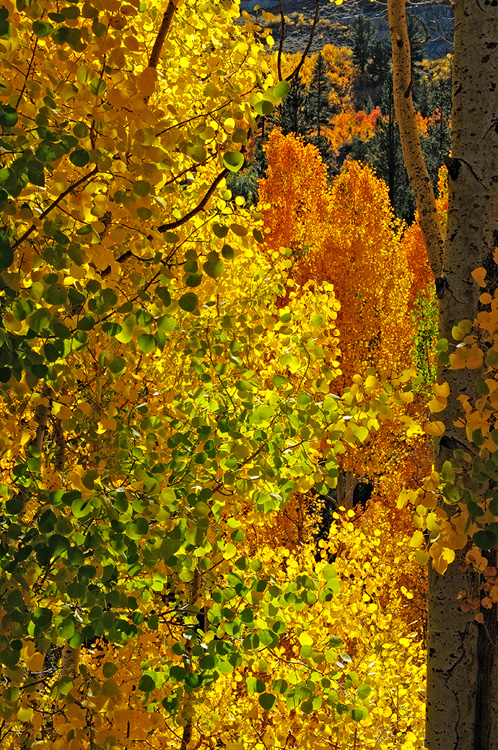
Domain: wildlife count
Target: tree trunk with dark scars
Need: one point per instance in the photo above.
(462, 689)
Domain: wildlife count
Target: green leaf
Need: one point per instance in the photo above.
(55, 295)
(281, 89)
(329, 572)
(142, 188)
(239, 136)
(359, 713)
(146, 684)
(147, 343)
(109, 669)
(254, 685)
(233, 160)
(484, 539)
(138, 528)
(42, 29)
(6, 252)
(8, 116)
(213, 268)
(267, 701)
(97, 86)
(166, 323)
(79, 157)
(263, 107)
(263, 413)
(220, 230)
(335, 642)
(189, 302)
(364, 691)
(117, 365)
(279, 381)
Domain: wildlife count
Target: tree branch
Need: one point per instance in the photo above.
(196, 209)
(162, 34)
(282, 36)
(53, 205)
(27, 74)
(296, 70)
(410, 140)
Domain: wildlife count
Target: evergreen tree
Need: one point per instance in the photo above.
(416, 35)
(436, 144)
(362, 32)
(318, 94)
(380, 61)
(386, 156)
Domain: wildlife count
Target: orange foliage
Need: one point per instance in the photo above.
(341, 73)
(413, 242)
(348, 125)
(346, 235)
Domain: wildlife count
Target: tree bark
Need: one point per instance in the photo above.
(462, 688)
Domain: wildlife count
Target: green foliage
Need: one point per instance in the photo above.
(362, 32)
(425, 319)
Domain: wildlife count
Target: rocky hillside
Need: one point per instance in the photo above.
(335, 19)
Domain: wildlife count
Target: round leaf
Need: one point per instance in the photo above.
(79, 157)
(233, 160)
(267, 701)
(189, 302)
(146, 343)
(146, 684)
(484, 539)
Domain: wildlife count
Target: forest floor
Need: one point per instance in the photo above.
(334, 21)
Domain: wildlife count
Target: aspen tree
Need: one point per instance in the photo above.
(462, 701)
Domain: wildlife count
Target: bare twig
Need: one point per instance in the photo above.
(27, 74)
(296, 70)
(282, 36)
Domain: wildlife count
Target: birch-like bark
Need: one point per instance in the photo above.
(410, 139)
(462, 689)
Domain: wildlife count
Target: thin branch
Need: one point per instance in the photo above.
(426, 31)
(162, 34)
(282, 36)
(196, 209)
(27, 74)
(296, 70)
(53, 205)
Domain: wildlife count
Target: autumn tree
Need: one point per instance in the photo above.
(340, 234)
(161, 377)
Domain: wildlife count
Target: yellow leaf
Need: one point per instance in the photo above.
(432, 522)
(417, 539)
(442, 389)
(474, 358)
(36, 663)
(147, 81)
(305, 639)
(436, 429)
(436, 405)
(478, 275)
(448, 554)
(406, 496)
(371, 383)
